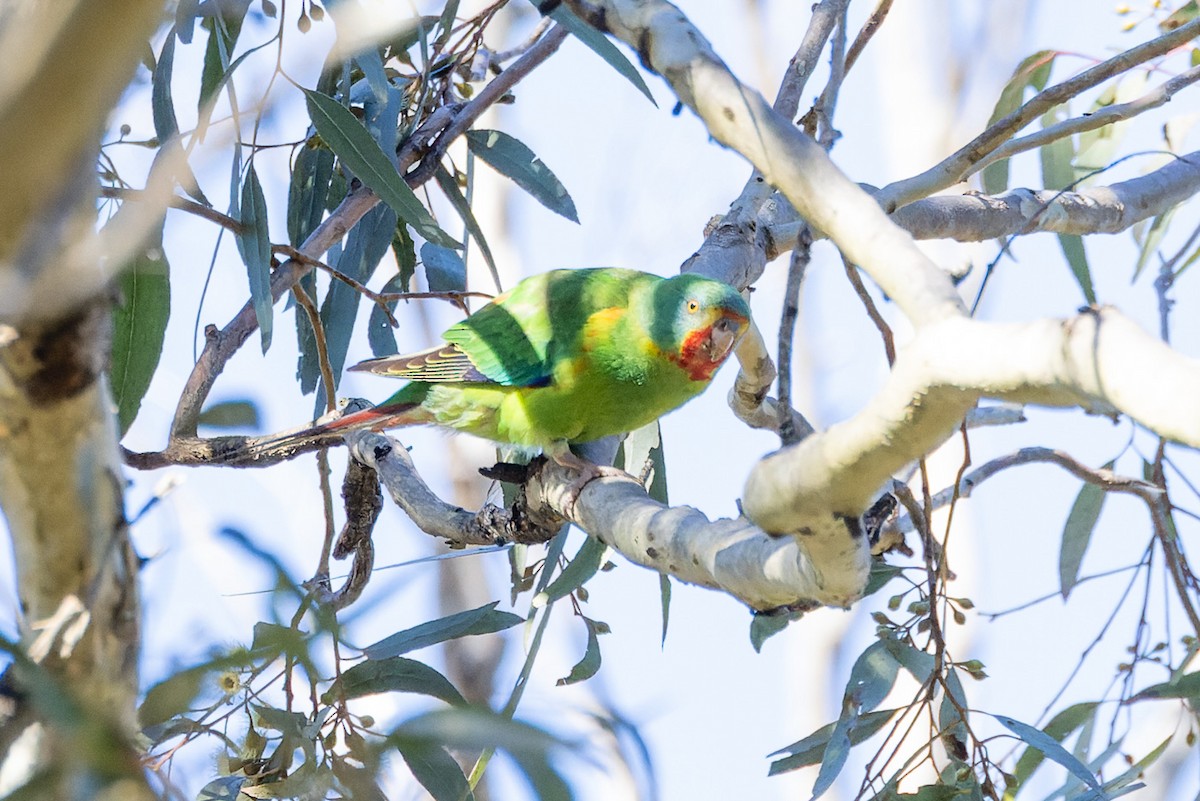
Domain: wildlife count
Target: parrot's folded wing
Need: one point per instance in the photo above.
(445, 363)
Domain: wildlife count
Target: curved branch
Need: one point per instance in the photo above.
(460, 528)
(1099, 360)
(732, 556)
(828, 565)
(1101, 477)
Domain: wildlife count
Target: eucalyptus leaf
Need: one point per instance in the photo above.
(1052, 750)
(342, 131)
(445, 270)
(395, 674)
(254, 243)
(162, 107)
(231, 414)
(664, 594)
(365, 247)
(589, 665)
(1077, 533)
(600, 44)
(435, 769)
(1033, 72)
(1058, 173)
(483, 620)
(139, 326)
(308, 191)
(450, 188)
(581, 568)
(512, 158)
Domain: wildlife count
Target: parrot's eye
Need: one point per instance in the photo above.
(693, 306)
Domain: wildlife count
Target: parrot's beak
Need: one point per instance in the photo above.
(722, 337)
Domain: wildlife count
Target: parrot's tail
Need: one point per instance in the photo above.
(288, 444)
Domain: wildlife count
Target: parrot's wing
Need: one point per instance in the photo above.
(490, 347)
(445, 363)
(508, 341)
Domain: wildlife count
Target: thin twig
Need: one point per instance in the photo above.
(297, 255)
(860, 289)
(176, 202)
(787, 332)
(314, 319)
(1106, 479)
(868, 30)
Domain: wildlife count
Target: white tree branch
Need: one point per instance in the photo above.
(1099, 360)
(733, 556)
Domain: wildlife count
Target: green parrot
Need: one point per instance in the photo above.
(565, 356)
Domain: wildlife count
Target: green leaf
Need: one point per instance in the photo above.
(172, 696)
(1051, 749)
(1058, 728)
(231, 414)
(395, 674)
(224, 27)
(444, 269)
(1180, 16)
(409, 34)
(1033, 73)
(578, 570)
(951, 725)
(1076, 255)
(139, 325)
(641, 454)
(836, 751)
(365, 248)
(308, 192)
(811, 750)
(1098, 147)
(435, 769)
(590, 663)
(1154, 237)
(1058, 173)
(664, 594)
(601, 46)
(254, 243)
(512, 158)
(1186, 686)
(919, 663)
(763, 626)
(450, 188)
(342, 131)
(474, 729)
(405, 252)
(162, 107)
(1125, 780)
(881, 574)
(379, 327)
(484, 620)
(1077, 533)
(871, 678)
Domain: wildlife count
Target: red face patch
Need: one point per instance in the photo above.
(694, 357)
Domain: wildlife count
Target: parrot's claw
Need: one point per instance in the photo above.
(588, 472)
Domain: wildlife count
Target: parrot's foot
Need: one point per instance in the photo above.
(588, 472)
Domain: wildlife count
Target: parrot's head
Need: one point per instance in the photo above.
(698, 321)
